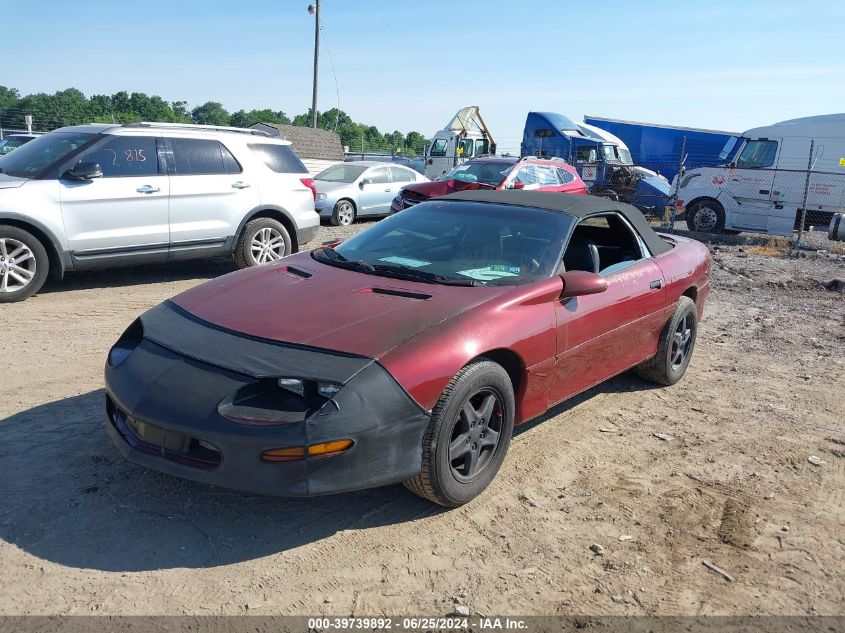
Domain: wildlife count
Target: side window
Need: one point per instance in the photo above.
(400, 174)
(194, 156)
(481, 147)
(565, 176)
(438, 148)
(603, 244)
(546, 176)
(527, 175)
(465, 149)
(126, 156)
(280, 158)
(758, 154)
(585, 154)
(379, 175)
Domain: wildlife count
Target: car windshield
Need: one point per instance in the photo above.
(457, 243)
(31, 158)
(484, 172)
(344, 172)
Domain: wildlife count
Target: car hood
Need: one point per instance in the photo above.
(10, 182)
(437, 188)
(301, 301)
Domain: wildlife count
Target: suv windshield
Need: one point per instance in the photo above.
(484, 172)
(31, 158)
(344, 172)
(457, 243)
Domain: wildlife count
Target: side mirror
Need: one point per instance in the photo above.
(517, 184)
(364, 181)
(84, 171)
(429, 162)
(577, 283)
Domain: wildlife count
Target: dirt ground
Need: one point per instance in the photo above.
(82, 531)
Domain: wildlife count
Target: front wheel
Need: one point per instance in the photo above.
(262, 240)
(706, 216)
(674, 350)
(23, 264)
(467, 437)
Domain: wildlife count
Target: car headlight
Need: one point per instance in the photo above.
(286, 400)
(320, 196)
(325, 388)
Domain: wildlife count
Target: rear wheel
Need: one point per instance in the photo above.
(674, 350)
(262, 240)
(344, 213)
(467, 437)
(23, 264)
(706, 216)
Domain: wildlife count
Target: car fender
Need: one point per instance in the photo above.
(62, 256)
(517, 329)
(290, 224)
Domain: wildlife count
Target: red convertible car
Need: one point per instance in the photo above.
(495, 173)
(408, 352)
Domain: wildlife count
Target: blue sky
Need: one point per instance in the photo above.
(410, 65)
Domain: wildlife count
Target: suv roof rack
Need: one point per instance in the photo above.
(195, 126)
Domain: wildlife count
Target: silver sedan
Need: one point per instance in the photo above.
(361, 188)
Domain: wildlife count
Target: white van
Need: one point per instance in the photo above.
(465, 136)
(762, 189)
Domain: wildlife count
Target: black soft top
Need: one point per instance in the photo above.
(575, 205)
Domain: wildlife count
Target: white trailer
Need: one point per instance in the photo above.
(763, 189)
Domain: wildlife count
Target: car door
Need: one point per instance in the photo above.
(376, 191)
(126, 210)
(209, 194)
(750, 182)
(601, 335)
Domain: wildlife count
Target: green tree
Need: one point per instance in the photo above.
(210, 113)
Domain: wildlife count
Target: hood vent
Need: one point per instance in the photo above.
(396, 292)
(294, 272)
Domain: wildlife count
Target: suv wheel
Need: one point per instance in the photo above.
(262, 240)
(23, 264)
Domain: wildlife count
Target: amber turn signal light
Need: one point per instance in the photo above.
(324, 449)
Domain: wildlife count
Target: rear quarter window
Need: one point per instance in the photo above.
(280, 158)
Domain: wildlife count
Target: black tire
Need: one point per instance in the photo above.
(344, 213)
(245, 250)
(706, 216)
(22, 257)
(453, 482)
(664, 368)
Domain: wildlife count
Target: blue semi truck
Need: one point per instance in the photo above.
(658, 147)
(603, 161)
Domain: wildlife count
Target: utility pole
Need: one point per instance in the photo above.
(314, 9)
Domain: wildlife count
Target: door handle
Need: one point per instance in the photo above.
(388, 190)
(240, 184)
(654, 285)
(148, 189)
(764, 191)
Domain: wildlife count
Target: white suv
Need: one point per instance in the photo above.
(92, 196)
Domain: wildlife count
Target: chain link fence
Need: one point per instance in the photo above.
(792, 192)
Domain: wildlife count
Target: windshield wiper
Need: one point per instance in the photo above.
(336, 259)
(402, 272)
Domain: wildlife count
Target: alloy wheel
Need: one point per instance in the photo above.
(17, 265)
(345, 213)
(475, 434)
(267, 245)
(681, 342)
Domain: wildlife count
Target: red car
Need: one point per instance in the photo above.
(494, 173)
(408, 352)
